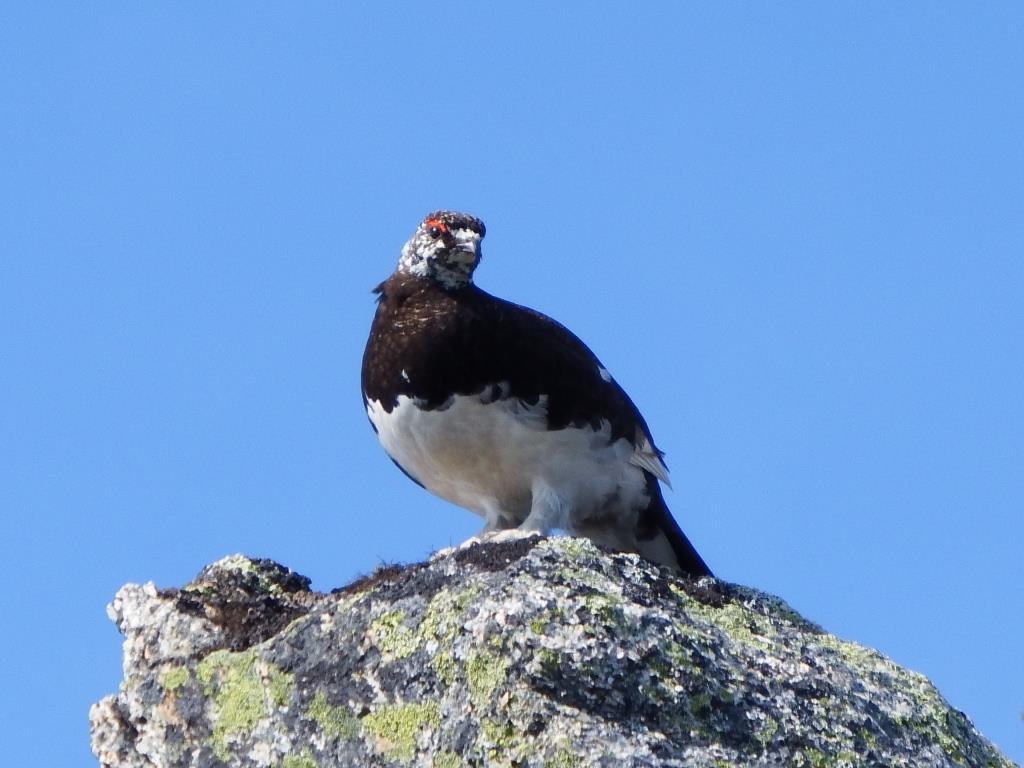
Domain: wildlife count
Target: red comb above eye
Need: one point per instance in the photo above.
(436, 223)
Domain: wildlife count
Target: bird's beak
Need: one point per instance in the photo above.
(470, 247)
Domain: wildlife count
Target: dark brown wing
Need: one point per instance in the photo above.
(429, 344)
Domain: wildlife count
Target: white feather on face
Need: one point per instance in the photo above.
(500, 461)
(443, 251)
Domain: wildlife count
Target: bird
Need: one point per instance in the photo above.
(502, 410)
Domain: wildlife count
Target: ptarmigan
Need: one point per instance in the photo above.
(502, 410)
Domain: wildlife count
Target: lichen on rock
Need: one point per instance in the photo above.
(545, 653)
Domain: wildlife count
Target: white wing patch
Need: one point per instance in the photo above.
(646, 457)
(603, 373)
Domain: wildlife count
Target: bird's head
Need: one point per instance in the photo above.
(445, 247)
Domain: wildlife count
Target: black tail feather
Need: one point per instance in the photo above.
(656, 526)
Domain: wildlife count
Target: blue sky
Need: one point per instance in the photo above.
(793, 232)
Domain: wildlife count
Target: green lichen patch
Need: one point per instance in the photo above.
(933, 721)
(485, 671)
(571, 547)
(563, 758)
(299, 761)
(446, 759)
(676, 655)
(243, 689)
(444, 613)
(334, 721)
(864, 660)
(502, 743)
(279, 685)
(396, 727)
(548, 619)
(441, 624)
(740, 624)
(390, 634)
(606, 609)
(928, 718)
(445, 667)
(548, 660)
(174, 678)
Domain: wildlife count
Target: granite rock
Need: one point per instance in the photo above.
(545, 653)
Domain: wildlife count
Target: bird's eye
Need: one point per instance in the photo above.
(435, 227)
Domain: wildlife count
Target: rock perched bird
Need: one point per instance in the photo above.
(502, 410)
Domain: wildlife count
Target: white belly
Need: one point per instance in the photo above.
(500, 461)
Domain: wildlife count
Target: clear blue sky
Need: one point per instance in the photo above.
(792, 231)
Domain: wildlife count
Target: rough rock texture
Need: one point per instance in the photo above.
(547, 653)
